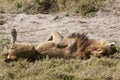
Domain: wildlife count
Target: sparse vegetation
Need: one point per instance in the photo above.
(84, 7)
(2, 22)
(61, 69)
(4, 43)
(19, 4)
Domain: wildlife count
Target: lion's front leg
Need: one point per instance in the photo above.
(56, 37)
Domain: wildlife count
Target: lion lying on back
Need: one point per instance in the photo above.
(72, 46)
(75, 45)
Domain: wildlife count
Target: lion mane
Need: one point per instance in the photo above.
(90, 47)
(77, 45)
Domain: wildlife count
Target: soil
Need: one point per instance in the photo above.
(36, 28)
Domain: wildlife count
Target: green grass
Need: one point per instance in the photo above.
(83, 7)
(61, 69)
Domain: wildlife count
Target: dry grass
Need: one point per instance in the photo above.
(61, 69)
(4, 44)
(2, 22)
(84, 7)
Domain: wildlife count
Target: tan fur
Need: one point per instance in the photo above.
(64, 48)
(19, 50)
(101, 48)
(76, 45)
(45, 46)
(51, 47)
(55, 37)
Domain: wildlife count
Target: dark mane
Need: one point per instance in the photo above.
(77, 35)
(83, 40)
(74, 35)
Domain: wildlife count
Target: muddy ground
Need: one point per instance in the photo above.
(36, 28)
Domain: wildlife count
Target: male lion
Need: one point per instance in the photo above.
(75, 45)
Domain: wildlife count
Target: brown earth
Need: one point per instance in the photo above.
(36, 28)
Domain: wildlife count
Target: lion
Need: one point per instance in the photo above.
(75, 45)
(19, 50)
(51, 44)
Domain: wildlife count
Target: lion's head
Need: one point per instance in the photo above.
(112, 48)
(101, 48)
(91, 47)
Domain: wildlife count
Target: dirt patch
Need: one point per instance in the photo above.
(36, 28)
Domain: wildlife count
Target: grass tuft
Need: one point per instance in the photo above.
(84, 7)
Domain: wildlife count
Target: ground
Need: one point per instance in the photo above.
(36, 28)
